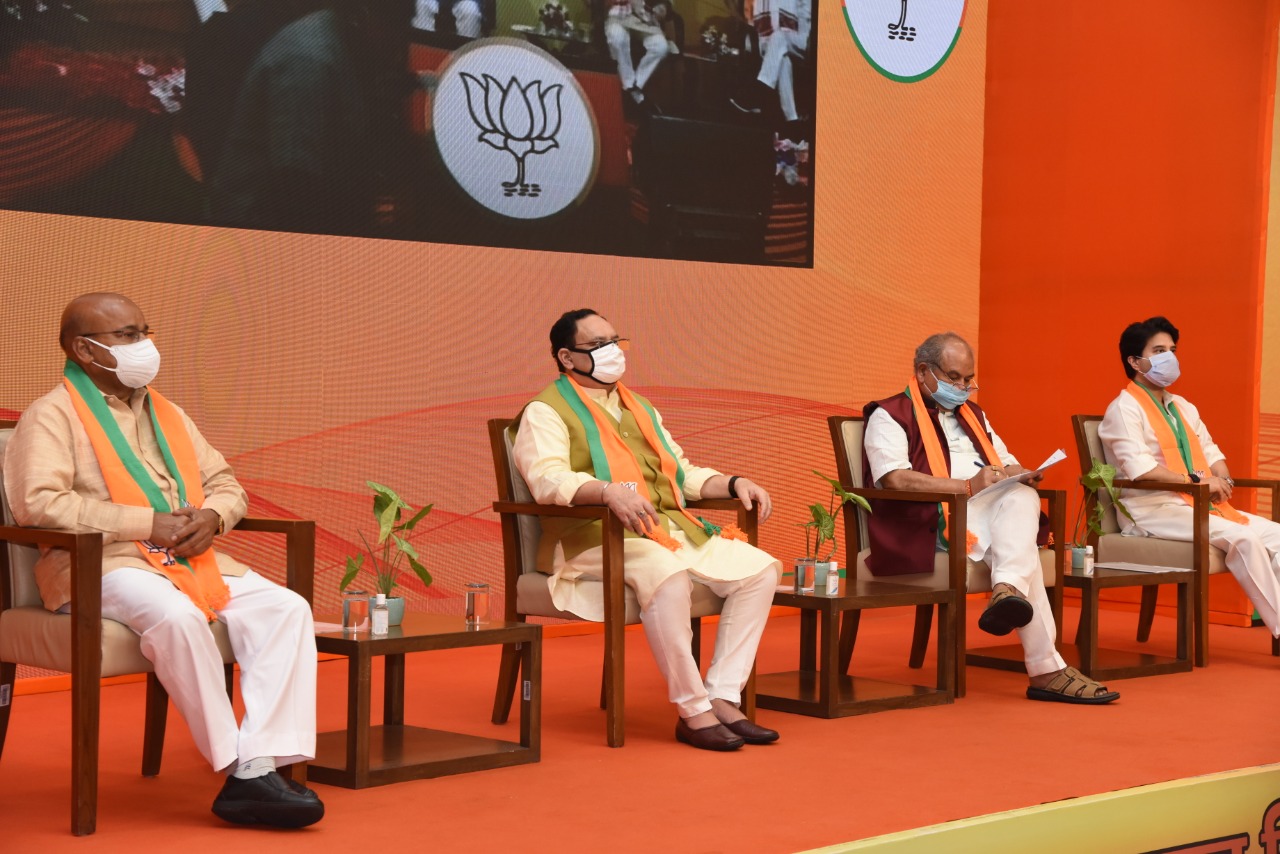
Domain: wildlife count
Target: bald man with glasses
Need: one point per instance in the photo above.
(932, 438)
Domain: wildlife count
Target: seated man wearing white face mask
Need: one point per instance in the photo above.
(931, 438)
(105, 453)
(1151, 434)
(588, 439)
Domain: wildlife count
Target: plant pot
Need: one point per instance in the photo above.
(395, 609)
(1077, 557)
(822, 571)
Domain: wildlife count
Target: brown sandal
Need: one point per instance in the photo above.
(1072, 686)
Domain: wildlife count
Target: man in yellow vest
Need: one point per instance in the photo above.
(105, 453)
(1151, 434)
(588, 439)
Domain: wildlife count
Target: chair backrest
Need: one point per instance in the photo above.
(20, 587)
(511, 487)
(846, 438)
(1089, 448)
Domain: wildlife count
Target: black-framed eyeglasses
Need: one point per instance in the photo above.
(133, 336)
(592, 346)
(959, 383)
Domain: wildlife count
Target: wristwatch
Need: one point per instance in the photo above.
(1194, 477)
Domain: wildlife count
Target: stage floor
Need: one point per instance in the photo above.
(825, 782)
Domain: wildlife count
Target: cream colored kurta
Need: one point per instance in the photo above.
(52, 480)
(541, 452)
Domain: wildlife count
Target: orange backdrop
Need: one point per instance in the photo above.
(1125, 174)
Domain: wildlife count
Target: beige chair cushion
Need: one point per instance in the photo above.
(35, 637)
(529, 526)
(38, 638)
(533, 596)
(1155, 552)
(978, 573)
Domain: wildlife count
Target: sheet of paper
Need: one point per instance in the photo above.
(1001, 485)
(1139, 567)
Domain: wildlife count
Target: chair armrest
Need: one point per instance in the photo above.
(532, 508)
(1263, 484)
(300, 550)
(910, 495)
(51, 537)
(1197, 491)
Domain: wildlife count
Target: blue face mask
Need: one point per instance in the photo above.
(946, 395)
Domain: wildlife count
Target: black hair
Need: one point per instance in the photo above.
(565, 330)
(1135, 337)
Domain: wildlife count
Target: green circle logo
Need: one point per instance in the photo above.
(905, 40)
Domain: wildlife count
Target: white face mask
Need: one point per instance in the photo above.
(136, 364)
(1164, 370)
(608, 364)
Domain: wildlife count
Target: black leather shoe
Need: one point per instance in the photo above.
(752, 733)
(270, 800)
(714, 737)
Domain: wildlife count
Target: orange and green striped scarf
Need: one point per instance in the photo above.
(613, 461)
(129, 482)
(933, 448)
(1179, 446)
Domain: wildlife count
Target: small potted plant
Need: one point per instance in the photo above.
(1100, 476)
(392, 551)
(820, 530)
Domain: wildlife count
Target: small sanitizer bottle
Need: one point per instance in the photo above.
(380, 617)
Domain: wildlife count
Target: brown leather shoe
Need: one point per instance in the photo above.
(715, 737)
(752, 733)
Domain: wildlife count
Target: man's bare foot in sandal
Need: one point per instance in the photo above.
(1069, 686)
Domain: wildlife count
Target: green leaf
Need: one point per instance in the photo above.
(420, 571)
(405, 547)
(353, 568)
(418, 517)
(843, 494)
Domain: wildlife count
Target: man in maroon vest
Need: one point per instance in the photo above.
(931, 437)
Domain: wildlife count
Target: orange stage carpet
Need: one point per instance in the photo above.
(826, 782)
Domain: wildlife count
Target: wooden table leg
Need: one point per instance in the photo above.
(359, 667)
(1088, 645)
(531, 695)
(828, 684)
(808, 640)
(393, 690)
(1184, 621)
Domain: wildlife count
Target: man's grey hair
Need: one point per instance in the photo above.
(931, 350)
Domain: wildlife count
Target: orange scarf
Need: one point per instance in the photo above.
(1162, 423)
(933, 447)
(196, 576)
(614, 461)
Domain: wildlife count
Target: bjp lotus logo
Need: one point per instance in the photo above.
(520, 119)
(499, 100)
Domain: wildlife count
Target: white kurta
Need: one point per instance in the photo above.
(741, 574)
(1006, 525)
(1252, 551)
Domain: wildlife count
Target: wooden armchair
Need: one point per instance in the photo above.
(527, 593)
(1197, 555)
(89, 647)
(952, 569)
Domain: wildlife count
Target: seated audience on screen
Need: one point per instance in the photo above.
(782, 27)
(467, 16)
(627, 20)
(1151, 434)
(103, 452)
(588, 422)
(317, 132)
(931, 437)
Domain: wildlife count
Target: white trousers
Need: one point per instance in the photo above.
(776, 51)
(466, 17)
(273, 636)
(1009, 523)
(617, 32)
(1252, 551)
(670, 635)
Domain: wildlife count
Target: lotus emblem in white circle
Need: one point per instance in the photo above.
(515, 129)
(905, 40)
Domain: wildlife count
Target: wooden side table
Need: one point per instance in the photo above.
(1104, 664)
(820, 689)
(367, 755)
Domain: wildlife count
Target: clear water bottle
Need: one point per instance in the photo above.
(380, 616)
